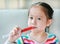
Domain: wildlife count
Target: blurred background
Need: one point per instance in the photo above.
(24, 4)
(15, 12)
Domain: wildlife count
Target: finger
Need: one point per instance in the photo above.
(14, 31)
(17, 31)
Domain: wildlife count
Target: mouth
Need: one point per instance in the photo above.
(34, 27)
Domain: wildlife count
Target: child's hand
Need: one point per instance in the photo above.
(16, 33)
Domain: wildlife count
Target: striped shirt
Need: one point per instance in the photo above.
(51, 39)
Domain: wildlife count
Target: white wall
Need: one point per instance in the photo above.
(55, 27)
(9, 19)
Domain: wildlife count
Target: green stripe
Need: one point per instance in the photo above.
(20, 41)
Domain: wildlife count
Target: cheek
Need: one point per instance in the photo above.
(41, 25)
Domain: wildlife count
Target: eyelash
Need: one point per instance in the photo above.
(31, 17)
(37, 18)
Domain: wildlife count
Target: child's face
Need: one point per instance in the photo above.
(38, 19)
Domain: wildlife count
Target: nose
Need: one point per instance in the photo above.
(33, 22)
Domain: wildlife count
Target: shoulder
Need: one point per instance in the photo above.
(50, 35)
(52, 38)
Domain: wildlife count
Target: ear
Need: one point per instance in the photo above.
(49, 22)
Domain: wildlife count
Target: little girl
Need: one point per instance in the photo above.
(39, 16)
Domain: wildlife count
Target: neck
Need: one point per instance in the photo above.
(37, 33)
(38, 36)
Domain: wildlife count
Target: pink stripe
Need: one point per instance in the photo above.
(28, 41)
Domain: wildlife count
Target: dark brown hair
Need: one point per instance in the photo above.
(48, 8)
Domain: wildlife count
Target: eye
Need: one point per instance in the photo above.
(31, 17)
(39, 18)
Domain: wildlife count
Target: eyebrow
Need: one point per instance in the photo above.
(37, 15)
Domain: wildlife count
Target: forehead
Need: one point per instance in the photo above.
(37, 10)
